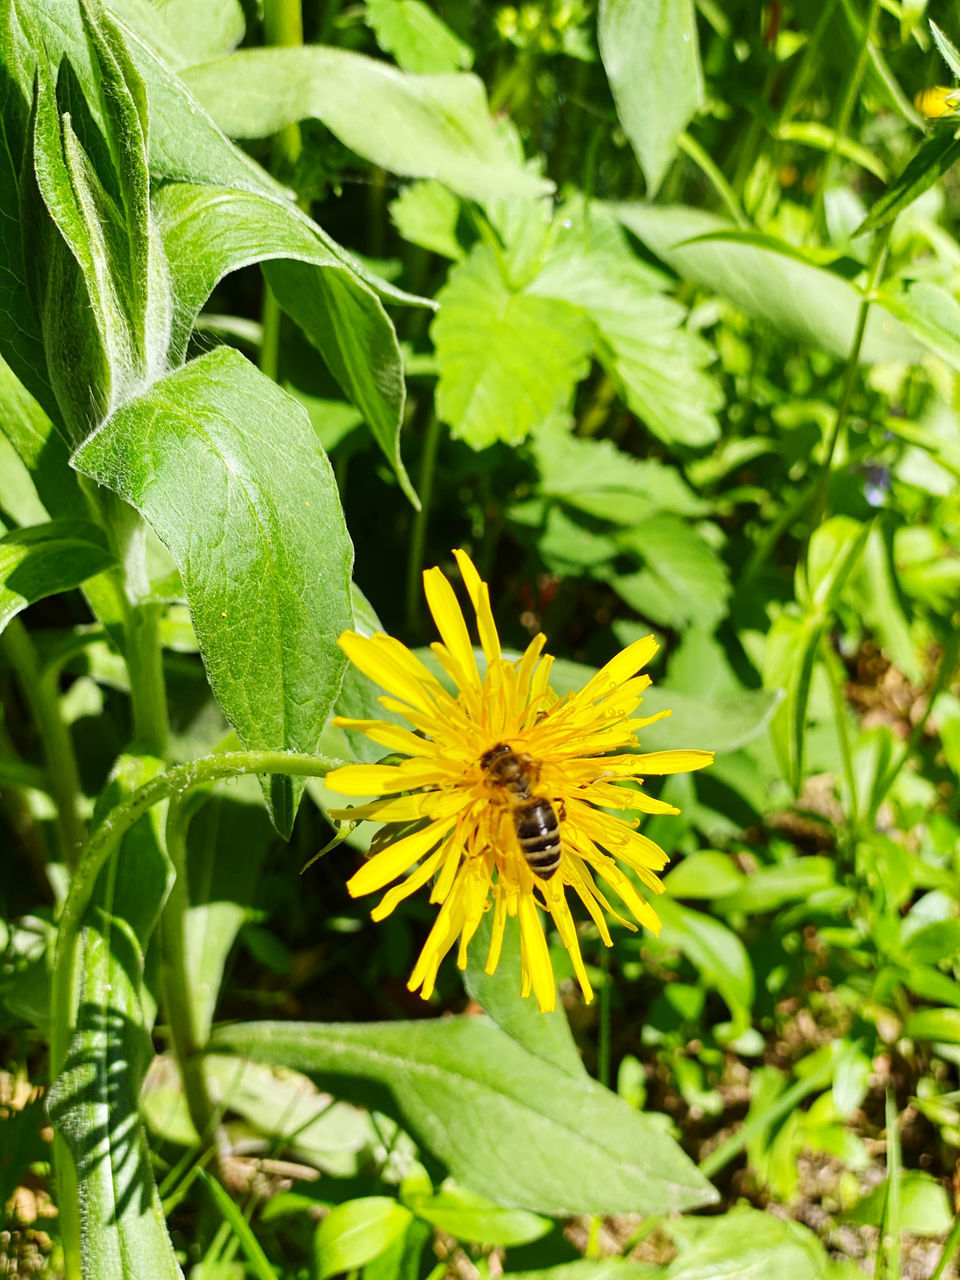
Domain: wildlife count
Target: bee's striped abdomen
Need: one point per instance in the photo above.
(538, 833)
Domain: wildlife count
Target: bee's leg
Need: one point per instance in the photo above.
(561, 811)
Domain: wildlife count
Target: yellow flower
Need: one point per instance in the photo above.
(938, 103)
(577, 752)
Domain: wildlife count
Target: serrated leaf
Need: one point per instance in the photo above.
(45, 559)
(684, 580)
(422, 126)
(802, 301)
(265, 558)
(426, 213)
(508, 360)
(948, 50)
(416, 38)
(651, 56)
(474, 1097)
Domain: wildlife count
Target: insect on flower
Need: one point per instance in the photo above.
(519, 795)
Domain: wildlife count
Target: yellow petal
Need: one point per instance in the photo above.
(394, 860)
(479, 594)
(657, 762)
(397, 809)
(497, 927)
(381, 779)
(536, 955)
(568, 936)
(378, 661)
(527, 665)
(453, 630)
(622, 886)
(393, 897)
(440, 939)
(620, 668)
(389, 735)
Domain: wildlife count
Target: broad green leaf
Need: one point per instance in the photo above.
(713, 949)
(800, 300)
(39, 447)
(924, 1206)
(708, 874)
(508, 360)
(21, 342)
(684, 580)
(265, 558)
(936, 155)
(183, 32)
(426, 213)
(746, 1244)
(934, 1024)
(422, 126)
(46, 559)
(93, 1099)
(354, 1233)
(474, 1097)
(770, 887)
(417, 39)
(611, 1267)
(467, 1216)
(596, 477)
(832, 555)
(788, 662)
(657, 363)
(651, 57)
(930, 313)
(210, 231)
(546, 1035)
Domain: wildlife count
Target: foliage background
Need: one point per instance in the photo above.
(653, 306)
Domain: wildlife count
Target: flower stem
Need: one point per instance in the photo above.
(106, 838)
(418, 537)
(41, 692)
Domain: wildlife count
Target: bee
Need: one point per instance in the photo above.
(535, 820)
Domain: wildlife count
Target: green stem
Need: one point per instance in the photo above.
(41, 691)
(106, 838)
(889, 1242)
(147, 687)
(418, 537)
(949, 1248)
(832, 662)
(843, 118)
(850, 375)
(690, 147)
(180, 1009)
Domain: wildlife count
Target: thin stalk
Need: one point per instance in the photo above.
(418, 537)
(180, 1011)
(144, 656)
(690, 147)
(831, 662)
(282, 27)
(949, 1249)
(41, 691)
(106, 838)
(888, 1245)
(843, 117)
(790, 1098)
(850, 375)
(948, 663)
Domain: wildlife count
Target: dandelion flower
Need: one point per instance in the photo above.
(580, 754)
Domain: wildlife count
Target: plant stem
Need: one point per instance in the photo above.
(181, 1019)
(41, 691)
(949, 1248)
(831, 662)
(106, 838)
(418, 536)
(690, 147)
(843, 117)
(850, 375)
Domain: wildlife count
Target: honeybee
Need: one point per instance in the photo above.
(536, 822)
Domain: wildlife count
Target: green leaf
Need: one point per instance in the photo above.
(713, 949)
(789, 658)
(689, 579)
(833, 553)
(545, 1035)
(210, 231)
(813, 133)
(354, 1233)
(182, 32)
(930, 313)
(467, 1216)
(41, 450)
(608, 1268)
(45, 559)
(93, 1100)
(474, 1098)
(924, 1206)
(416, 37)
(935, 156)
(265, 558)
(770, 887)
(651, 56)
(934, 1024)
(421, 126)
(707, 874)
(260, 1264)
(948, 50)
(426, 213)
(508, 360)
(744, 1244)
(802, 301)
